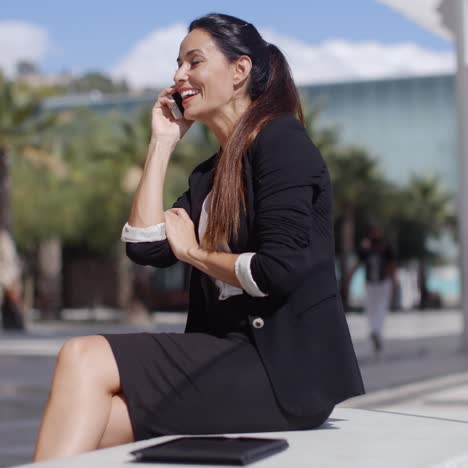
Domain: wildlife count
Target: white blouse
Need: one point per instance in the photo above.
(242, 265)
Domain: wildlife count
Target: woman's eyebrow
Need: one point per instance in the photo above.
(189, 53)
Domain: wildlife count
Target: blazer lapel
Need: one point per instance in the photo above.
(201, 189)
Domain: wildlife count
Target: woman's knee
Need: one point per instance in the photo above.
(90, 357)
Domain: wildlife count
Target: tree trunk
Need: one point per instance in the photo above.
(422, 284)
(49, 278)
(5, 205)
(135, 311)
(125, 279)
(347, 227)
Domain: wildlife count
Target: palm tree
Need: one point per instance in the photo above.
(358, 186)
(19, 124)
(426, 210)
(359, 191)
(13, 115)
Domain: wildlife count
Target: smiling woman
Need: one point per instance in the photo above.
(266, 345)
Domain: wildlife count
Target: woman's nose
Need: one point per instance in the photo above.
(181, 74)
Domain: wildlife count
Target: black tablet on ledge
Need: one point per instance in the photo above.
(215, 450)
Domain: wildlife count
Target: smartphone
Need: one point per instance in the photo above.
(177, 109)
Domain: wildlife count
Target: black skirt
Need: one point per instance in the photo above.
(197, 383)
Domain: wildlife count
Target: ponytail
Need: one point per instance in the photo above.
(273, 93)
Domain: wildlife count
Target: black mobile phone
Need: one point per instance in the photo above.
(177, 109)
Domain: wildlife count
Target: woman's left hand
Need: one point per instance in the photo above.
(180, 232)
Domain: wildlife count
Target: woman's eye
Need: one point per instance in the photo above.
(193, 63)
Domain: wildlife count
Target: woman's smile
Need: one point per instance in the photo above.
(188, 99)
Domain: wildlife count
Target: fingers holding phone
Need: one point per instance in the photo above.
(176, 107)
(167, 116)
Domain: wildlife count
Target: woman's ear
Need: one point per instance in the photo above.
(242, 69)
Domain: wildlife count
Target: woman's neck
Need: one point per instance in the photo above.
(222, 124)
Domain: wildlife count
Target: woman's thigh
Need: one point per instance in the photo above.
(90, 359)
(229, 393)
(196, 383)
(119, 428)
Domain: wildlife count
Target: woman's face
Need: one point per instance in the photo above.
(203, 68)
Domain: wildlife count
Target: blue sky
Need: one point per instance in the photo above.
(97, 34)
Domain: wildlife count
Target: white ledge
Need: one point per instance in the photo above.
(350, 438)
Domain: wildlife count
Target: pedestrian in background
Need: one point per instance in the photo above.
(378, 258)
(10, 284)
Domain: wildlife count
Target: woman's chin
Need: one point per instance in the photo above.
(202, 117)
(189, 116)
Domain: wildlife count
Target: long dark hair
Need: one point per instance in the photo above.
(273, 93)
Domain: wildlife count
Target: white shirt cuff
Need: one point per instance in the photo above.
(244, 275)
(227, 290)
(145, 234)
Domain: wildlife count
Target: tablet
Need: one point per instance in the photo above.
(219, 450)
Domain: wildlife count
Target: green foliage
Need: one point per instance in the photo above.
(358, 183)
(44, 205)
(19, 122)
(74, 175)
(425, 210)
(58, 181)
(18, 110)
(95, 81)
(79, 182)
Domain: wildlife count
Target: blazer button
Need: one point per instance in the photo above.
(258, 322)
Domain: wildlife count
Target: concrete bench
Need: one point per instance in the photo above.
(351, 438)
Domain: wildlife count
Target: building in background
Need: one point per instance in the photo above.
(408, 124)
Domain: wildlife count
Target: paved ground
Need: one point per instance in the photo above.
(421, 370)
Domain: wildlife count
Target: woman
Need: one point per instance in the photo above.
(266, 347)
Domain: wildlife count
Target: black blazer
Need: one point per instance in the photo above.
(305, 343)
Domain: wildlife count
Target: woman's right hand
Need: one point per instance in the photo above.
(163, 125)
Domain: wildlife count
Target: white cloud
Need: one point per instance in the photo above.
(21, 41)
(151, 62)
(338, 59)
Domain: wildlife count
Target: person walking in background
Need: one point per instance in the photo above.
(10, 284)
(378, 258)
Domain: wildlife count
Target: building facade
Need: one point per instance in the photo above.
(407, 124)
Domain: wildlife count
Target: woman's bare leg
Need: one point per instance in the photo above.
(119, 429)
(79, 407)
